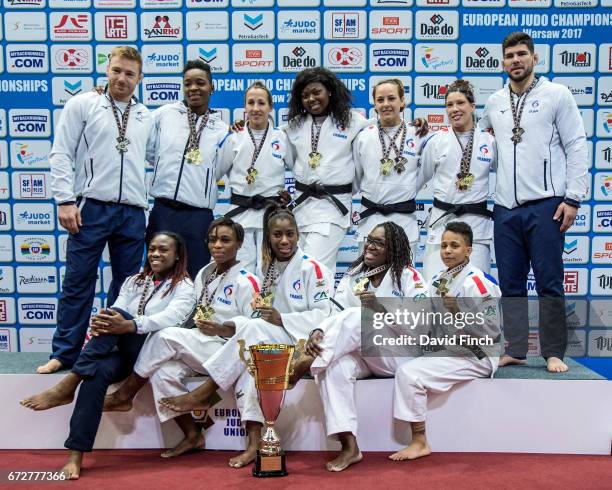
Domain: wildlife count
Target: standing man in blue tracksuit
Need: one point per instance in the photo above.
(98, 182)
(542, 177)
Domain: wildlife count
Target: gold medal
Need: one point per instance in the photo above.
(194, 156)
(262, 300)
(442, 287)
(386, 165)
(203, 313)
(251, 175)
(361, 285)
(400, 164)
(314, 159)
(465, 182)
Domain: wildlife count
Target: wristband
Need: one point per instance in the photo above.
(572, 202)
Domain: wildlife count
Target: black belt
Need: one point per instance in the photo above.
(245, 203)
(171, 203)
(404, 207)
(479, 208)
(320, 191)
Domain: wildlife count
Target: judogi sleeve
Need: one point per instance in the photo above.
(123, 299)
(358, 164)
(481, 298)
(427, 161)
(573, 137)
(174, 314)
(63, 153)
(319, 284)
(344, 295)
(289, 157)
(249, 285)
(225, 156)
(153, 140)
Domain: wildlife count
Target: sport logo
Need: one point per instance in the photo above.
(345, 56)
(297, 287)
(34, 249)
(254, 22)
(577, 60)
(345, 25)
(72, 88)
(26, 157)
(72, 57)
(207, 56)
(436, 19)
(299, 51)
(606, 185)
(115, 27)
(608, 122)
(434, 91)
(73, 25)
(162, 29)
(570, 247)
(320, 296)
(482, 52)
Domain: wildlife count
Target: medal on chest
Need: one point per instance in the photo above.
(193, 154)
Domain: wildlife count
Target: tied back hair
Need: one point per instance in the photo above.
(179, 269)
(463, 87)
(273, 213)
(399, 254)
(339, 96)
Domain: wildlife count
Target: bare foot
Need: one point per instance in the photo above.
(72, 468)
(415, 450)
(556, 365)
(189, 443)
(50, 367)
(345, 459)
(185, 403)
(300, 369)
(244, 458)
(114, 403)
(507, 360)
(53, 397)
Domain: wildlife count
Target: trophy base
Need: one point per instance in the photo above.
(270, 466)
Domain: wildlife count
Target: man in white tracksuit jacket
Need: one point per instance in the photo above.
(542, 176)
(98, 182)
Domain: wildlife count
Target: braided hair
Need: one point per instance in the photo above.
(399, 254)
(273, 213)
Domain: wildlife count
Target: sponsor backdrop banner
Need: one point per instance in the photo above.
(52, 50)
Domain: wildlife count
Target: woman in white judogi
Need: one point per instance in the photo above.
(255, 160)
(466, 288)
(459, 159)
(386, 161)
(321, 131)
(342, 356)
(301, 287)
(224, 291)
(159, 297)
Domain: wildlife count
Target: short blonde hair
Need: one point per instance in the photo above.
(128, 53)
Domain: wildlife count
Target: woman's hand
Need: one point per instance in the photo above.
(450, 303)
(271, 315)
(369, 301)
(237, 126)
(110, 322)
(313, 347)
(211, 328)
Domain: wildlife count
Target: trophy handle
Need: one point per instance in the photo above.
(249, 363)
(297, 354)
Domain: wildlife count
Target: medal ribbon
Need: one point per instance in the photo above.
(447, 277)
(207, 282)
(143, 297)
(257, 150)
(466, 154)
(271, 276)
(517, 111)
(194, 135)
(123, 122)
(392, 140)
(314, 137)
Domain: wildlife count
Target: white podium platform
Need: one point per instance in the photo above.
(484, 415)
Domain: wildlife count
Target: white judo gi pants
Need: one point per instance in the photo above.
(171, 355)
(322, 241)
(249, 254)
(340, 365)
(418, 377)
(226, 368)
(432, 262)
